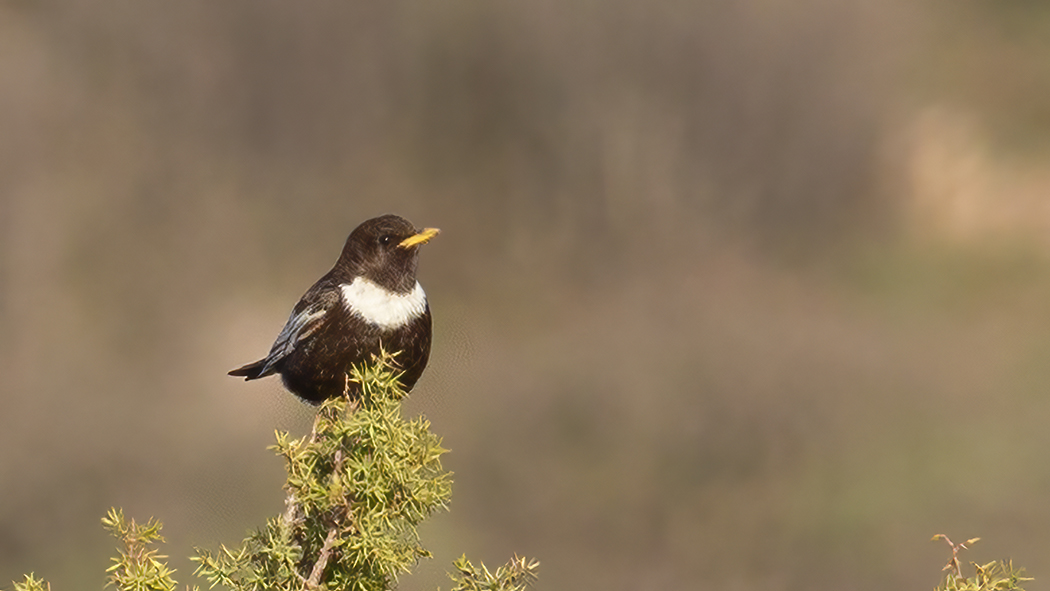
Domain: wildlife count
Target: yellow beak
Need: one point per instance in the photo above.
(421, 238)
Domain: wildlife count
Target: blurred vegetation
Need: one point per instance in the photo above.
(683, 259)
(992, 56)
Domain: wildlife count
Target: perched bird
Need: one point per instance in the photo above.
(369, 299)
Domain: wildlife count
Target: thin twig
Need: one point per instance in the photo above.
(326, 549)
(293, 509)
(322, 560)
(954, 565)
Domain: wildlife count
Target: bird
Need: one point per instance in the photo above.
(370, 300)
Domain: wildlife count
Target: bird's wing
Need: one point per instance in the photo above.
(306, 318)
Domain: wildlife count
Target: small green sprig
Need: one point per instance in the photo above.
(32, 584)
(139, 567)
(999, 575)
(516, 575)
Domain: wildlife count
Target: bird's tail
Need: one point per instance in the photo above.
(251, 371)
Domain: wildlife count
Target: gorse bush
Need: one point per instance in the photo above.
(357, 487)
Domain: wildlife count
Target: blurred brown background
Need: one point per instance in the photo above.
(740, 294)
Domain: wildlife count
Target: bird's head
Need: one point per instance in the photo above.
(385, 250)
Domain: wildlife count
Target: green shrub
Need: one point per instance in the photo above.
(357, 487)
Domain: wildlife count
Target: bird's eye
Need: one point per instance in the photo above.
(385, 239)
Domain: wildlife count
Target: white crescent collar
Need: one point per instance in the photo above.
(382, 307)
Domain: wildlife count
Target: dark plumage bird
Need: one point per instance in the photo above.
(369, 298)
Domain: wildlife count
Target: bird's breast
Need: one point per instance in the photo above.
(379, 306)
